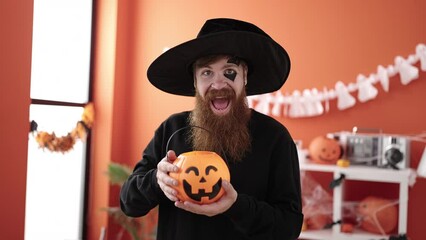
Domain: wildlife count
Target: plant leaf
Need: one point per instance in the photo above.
(118, 173)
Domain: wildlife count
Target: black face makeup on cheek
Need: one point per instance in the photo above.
(230, 76)
(233, 75)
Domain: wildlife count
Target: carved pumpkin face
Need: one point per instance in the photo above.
(324, 150)
(200, 176)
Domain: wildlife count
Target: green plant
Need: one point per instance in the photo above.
(118, 173)
(138, 228)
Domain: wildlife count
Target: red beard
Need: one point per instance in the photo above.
(226, 134)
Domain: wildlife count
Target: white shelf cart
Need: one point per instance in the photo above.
(360, 173)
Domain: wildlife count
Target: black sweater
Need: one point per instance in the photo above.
(267, 180)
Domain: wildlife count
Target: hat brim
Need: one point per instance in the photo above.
(269, 63)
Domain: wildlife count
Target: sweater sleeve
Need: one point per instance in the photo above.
(141, 192)
(279, 216)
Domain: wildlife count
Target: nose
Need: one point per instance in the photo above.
(219, 82)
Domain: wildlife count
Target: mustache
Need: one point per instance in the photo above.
(224, 92)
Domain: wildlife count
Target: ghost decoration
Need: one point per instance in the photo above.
(319, 108)
(287, 100)
(278, 102)
(308, 103)
(421, 54)
(344, 98)
(251, 100)
(392, 72)
(366, 90)
(263, 104)
(383, 77)
(297, 108)
(312, 103)
(407, 72)
(421, 168)
(327, 95)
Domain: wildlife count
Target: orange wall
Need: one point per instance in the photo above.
(15, 68)
(327, 41)
(104, 68)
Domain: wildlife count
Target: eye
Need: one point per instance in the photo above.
(192, 169)
(230, 72)
(209, 168)
(206, 73)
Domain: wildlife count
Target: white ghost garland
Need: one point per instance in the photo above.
(263, 103)
(383, 77)
(278, 102)
(421, 54)
(366, 90)
(313, 107)
(344, 98)
(297, 108)
(407, 72)
(311, 102)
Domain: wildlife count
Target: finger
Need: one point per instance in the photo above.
(166, 179)
(171, 156)
(226, 186)
(172, 198)
(165, 166)
(170, 193)
(229, 190)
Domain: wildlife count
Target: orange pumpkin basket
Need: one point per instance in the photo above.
(200, 176)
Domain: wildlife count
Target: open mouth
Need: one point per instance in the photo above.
(324, 159)
(202, 192)
(220, 105)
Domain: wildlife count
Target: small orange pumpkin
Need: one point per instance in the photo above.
(324, 150)
(200, 176)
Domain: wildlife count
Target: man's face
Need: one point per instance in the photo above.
(223, 74)
(221, 108)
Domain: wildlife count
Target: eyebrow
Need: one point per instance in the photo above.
(227, 65)
(230, 65)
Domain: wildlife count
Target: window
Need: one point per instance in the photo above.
(61, 50)
(60, 80)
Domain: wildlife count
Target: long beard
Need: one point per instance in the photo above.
(227, 134)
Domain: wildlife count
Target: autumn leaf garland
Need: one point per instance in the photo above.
(65, 143)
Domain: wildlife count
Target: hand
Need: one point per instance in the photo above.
(215, 208)
(166, 182)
